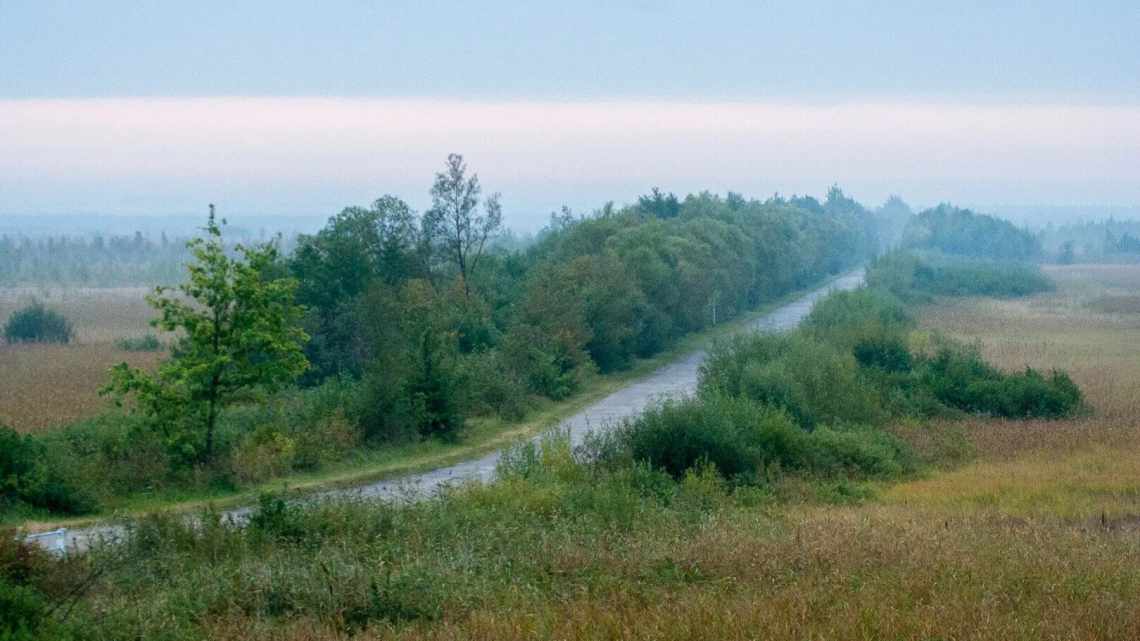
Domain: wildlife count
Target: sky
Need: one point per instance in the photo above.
(302, 108)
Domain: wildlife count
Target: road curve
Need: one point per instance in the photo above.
(675, 379)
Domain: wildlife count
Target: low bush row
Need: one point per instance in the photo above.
(816, 400)
(918, 277)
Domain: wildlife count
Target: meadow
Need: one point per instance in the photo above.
(1011, 529)
(42, 385)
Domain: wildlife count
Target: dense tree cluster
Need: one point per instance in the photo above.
(421, 309)
(962, 232)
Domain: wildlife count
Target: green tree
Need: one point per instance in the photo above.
(454, 219)
(337, 265)
(239, 334)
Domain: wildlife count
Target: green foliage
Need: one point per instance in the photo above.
(411, 384)
(37, 324)
(593, 294)
(454, 221)
(917, 278)
(891, 220)
(24, 612)
(28, 476)
(958, 377)
(865, 314)
(962, 232)
(239, 334)
(145, 343)
(493, 387)
(815, 382)
(357, 248)
(659, 205)
(1112, 240)
(850, 364)
(749, 440)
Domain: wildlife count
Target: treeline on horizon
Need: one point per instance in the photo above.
(98, 260)
(149, 259)
(1108, 241)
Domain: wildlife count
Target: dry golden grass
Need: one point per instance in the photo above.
(45, 385)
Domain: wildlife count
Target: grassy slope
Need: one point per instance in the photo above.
(483, 435)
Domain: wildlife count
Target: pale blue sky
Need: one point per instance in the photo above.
(958, 71)
(571, 50)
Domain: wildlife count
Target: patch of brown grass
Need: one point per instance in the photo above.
(98, 315)
(46, 385)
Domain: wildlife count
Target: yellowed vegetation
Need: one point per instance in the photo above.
(45, 385)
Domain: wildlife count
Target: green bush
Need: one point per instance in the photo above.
(917, 279)
(887, 353)
(553, 366)
(958, 377)
(144, 343)
(27, 476)
(38, 324)
(815, 382)
(867, 313)
(23, 612)
(746, 440)
(850, 364)
(492, 386)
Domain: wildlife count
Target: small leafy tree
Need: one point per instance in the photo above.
(239, 334)
(454, 218)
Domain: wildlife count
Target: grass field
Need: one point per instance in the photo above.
(45, 385)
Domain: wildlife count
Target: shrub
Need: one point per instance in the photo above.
(492, 387)
(26, 476)
(917, 279)
(276, 519)
(38, 324)
(745, 440)
(144, 343)
(958, 377)
(814, 382)
(553, 366)
(24, 612)
(847, 318)
(263, 454)
(887, 353)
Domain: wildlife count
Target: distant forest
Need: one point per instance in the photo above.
(95, 260)
(1109, 241)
